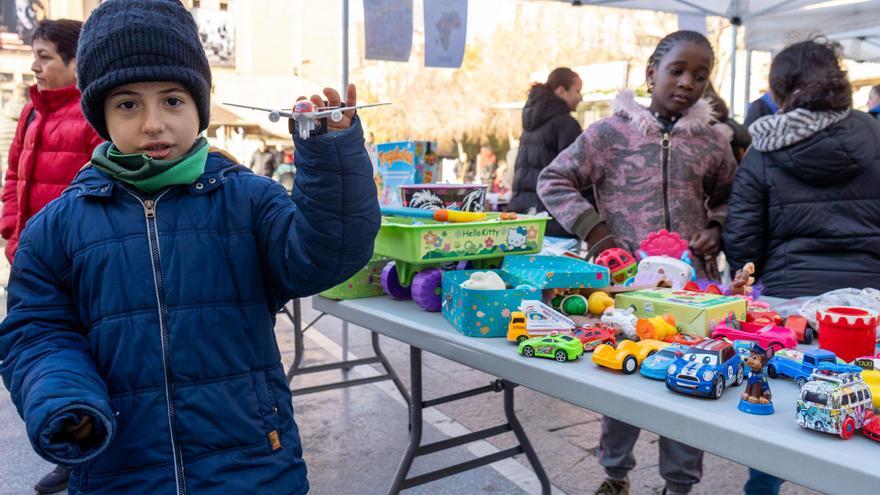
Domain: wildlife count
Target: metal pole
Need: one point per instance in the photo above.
(345, 343)
(734, 25)
(344, 49)
(748, 97)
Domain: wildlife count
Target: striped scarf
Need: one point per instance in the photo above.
(777, 131)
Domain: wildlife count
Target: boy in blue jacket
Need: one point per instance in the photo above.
(139, 343)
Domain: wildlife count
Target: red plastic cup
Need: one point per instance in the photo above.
(847, 332)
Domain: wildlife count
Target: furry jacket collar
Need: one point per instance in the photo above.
(697, 119)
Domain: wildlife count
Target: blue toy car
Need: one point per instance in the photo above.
(706, 369)
(654, 366)
(798, 365)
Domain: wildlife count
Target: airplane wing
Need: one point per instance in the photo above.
(271, 110)
(324, 113)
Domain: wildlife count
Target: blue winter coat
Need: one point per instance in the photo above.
(155, 316)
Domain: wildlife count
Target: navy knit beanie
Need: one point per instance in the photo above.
(132, 41)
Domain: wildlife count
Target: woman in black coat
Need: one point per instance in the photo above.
(548, 128)
(805, 206)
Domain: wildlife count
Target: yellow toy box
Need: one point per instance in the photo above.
(695, 313)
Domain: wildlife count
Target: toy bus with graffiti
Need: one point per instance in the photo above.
(835, 400)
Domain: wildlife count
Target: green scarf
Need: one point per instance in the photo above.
(150, 175)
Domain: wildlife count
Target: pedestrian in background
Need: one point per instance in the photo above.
(548, 128)
(52, 140)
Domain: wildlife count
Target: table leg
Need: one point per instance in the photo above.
(415, 420)
(523, 439)
(296, 367)
(415, 449)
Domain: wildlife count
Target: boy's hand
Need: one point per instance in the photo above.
(333, 100)
(75, 432)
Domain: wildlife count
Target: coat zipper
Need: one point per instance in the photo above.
(153, 241)
(665, 143)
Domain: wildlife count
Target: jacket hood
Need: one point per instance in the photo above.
(835, 154)
(542, 106)
(697, 119)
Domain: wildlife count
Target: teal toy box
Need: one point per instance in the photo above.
(486, 313)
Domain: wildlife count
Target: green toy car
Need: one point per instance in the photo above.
(560, 347)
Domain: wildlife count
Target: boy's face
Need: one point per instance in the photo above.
(157, 119)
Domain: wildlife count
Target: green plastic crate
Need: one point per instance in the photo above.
(422, 241)
(365, 283)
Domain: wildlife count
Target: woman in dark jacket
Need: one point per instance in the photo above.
(548, 128)
(805, 205)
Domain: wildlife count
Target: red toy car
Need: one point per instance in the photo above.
(763, 316)
(871, 426)
(593, 335)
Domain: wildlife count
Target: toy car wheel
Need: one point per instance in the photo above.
(775, 347)
(629, 365)
(391, 283)
(561, 356)
(521, 338)
(528, 351)
(801, 381)
(771, 371)
(808, 336)
(426, 287)
(740, 373)
(847, 428)
(718, 389)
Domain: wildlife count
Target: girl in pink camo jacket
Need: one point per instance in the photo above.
(652, 168)
(658, 167)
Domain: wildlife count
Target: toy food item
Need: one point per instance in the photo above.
(574, 304)
(621, 319)
(846, 331)
(484, 281)
(619, 262)
(658, 327)
(600, 301)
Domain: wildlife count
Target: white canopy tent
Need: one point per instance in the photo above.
(738, 12)
(856, 26)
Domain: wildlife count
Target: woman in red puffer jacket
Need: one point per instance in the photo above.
(53, 140)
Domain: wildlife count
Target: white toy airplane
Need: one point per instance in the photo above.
(305, 114)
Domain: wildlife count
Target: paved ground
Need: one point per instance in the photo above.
(354, 438)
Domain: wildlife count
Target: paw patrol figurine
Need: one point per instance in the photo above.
(756, 398)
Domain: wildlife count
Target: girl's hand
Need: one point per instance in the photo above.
(333, 100)
(599, 239)
(706, 242)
